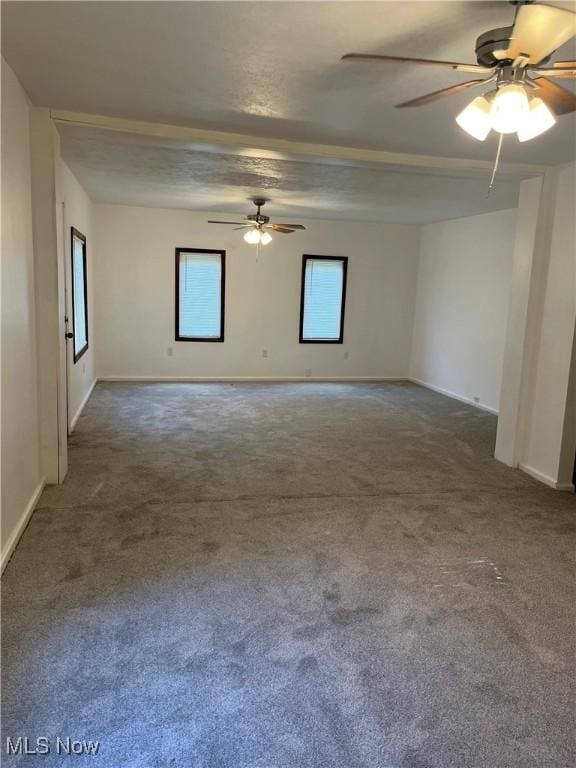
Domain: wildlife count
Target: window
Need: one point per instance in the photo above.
(200, 294)
(79, 294)
(323, 299)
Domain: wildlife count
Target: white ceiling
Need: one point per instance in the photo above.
(128, 169)
(264, 68)
(269, 69)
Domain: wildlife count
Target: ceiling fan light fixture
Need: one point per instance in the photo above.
(538, 120)
(252, 236)
(265, 238)
(509, 108)
(475, 119)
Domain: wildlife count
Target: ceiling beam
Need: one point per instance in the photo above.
(257, 146)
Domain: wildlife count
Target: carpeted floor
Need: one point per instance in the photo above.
(292, 576)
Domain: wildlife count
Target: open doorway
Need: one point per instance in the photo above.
(78, 360)
(76, 315)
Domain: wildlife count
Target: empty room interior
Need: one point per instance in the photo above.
(288, 384)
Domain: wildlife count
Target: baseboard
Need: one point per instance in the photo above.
(240, 379)
(21, 525)
(81, 407)
(546, 479)
(453, 395)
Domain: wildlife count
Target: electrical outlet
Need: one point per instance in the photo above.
(264, 353)
(308, 372)
(346, 355)
(170, 351)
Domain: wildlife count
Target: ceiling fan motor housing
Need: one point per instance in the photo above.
(258, 218)
(492, 47)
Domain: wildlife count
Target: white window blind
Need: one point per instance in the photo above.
(323, 294)
(200, 292)
(79, 296)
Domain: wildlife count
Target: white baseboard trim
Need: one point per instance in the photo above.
(81, 408)
(546, 479)
(453, 395)
(14, 537)
(248, 379)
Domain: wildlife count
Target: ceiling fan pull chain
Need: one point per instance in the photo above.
(496, 163)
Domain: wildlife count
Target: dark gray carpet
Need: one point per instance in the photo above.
(292, 576)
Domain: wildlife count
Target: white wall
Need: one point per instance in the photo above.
(78, 213)
(21, 470)
(567, 461)
(549, 396)
(461, 305)
(516, 344)
(49, 296)
(135, 298)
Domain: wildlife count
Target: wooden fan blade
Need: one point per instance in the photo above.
(539, 30)
(238, 223)
(560, 100)
(294, 226)
(280, 228)
(435, 95)
(561, 73)
(562, 64)
(407, 60)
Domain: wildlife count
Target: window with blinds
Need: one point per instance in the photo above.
(79, 295)
(323, 299)
(199, 294)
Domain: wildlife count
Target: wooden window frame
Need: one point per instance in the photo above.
(217, 339)
(308, 257)
(75, 233)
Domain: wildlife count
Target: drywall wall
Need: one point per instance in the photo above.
(462, 299)
(135, 298)
(549, 377)
(49, 297)
(516, 344)
(567, 463)
(21, 470)
(77, 213)
(536, 428)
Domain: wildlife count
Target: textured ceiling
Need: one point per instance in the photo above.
(266, 68)
(133, 170)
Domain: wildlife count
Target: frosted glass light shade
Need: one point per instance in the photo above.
(509, 109)
(265, 238)
(538, 119)
(475, 118)
(252, 236)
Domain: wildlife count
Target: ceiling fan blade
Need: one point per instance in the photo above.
(560, 100)
(562, 64)
(435, 95)
(560, 73)
(228, 222)
(407, 60)
(539, 30)
(280, 228)
(293, 226)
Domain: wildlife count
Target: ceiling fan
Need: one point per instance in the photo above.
(258, 225)
(516, 61)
